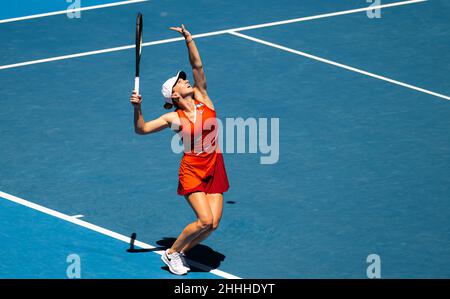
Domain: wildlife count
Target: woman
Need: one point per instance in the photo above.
(202, 174)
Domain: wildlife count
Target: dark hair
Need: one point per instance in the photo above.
(168, 106)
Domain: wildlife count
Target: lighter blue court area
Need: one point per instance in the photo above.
(24, 8)
(362, 165)
(52, 254)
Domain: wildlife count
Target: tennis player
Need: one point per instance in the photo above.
(202, 175)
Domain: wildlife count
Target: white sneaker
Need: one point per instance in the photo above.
(184, 261)
(174, 262)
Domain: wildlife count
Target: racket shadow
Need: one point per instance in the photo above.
(133, 249)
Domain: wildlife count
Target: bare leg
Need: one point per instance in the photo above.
(216, 203)
(200, 205)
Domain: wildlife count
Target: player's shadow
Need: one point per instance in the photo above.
(201, 253)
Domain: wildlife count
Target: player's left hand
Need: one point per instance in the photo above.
(182, 30)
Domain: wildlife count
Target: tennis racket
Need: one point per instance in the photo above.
(138, 50)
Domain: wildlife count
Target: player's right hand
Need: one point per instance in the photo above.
(136, 99)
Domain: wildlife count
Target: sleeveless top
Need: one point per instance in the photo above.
(199, 136)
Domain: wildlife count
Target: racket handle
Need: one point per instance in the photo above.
(136, 84)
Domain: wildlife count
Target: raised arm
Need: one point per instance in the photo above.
(142, 127)
(194, 59)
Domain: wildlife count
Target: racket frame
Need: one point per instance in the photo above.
(139, 27)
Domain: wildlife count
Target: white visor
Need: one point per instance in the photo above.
(167, 87)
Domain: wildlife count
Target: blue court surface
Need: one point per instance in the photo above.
(361, 96)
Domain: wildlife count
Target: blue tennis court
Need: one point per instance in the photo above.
(361, 94)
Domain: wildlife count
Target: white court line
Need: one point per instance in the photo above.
(78, 216)
(340, 65)
(9, 66)
(104, 231)
(170, 40)
(328, 15)
(70, 11)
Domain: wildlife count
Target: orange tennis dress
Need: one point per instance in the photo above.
(202, 168)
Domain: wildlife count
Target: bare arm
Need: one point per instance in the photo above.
(152, 126)
(194, 59)
(142, 127)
